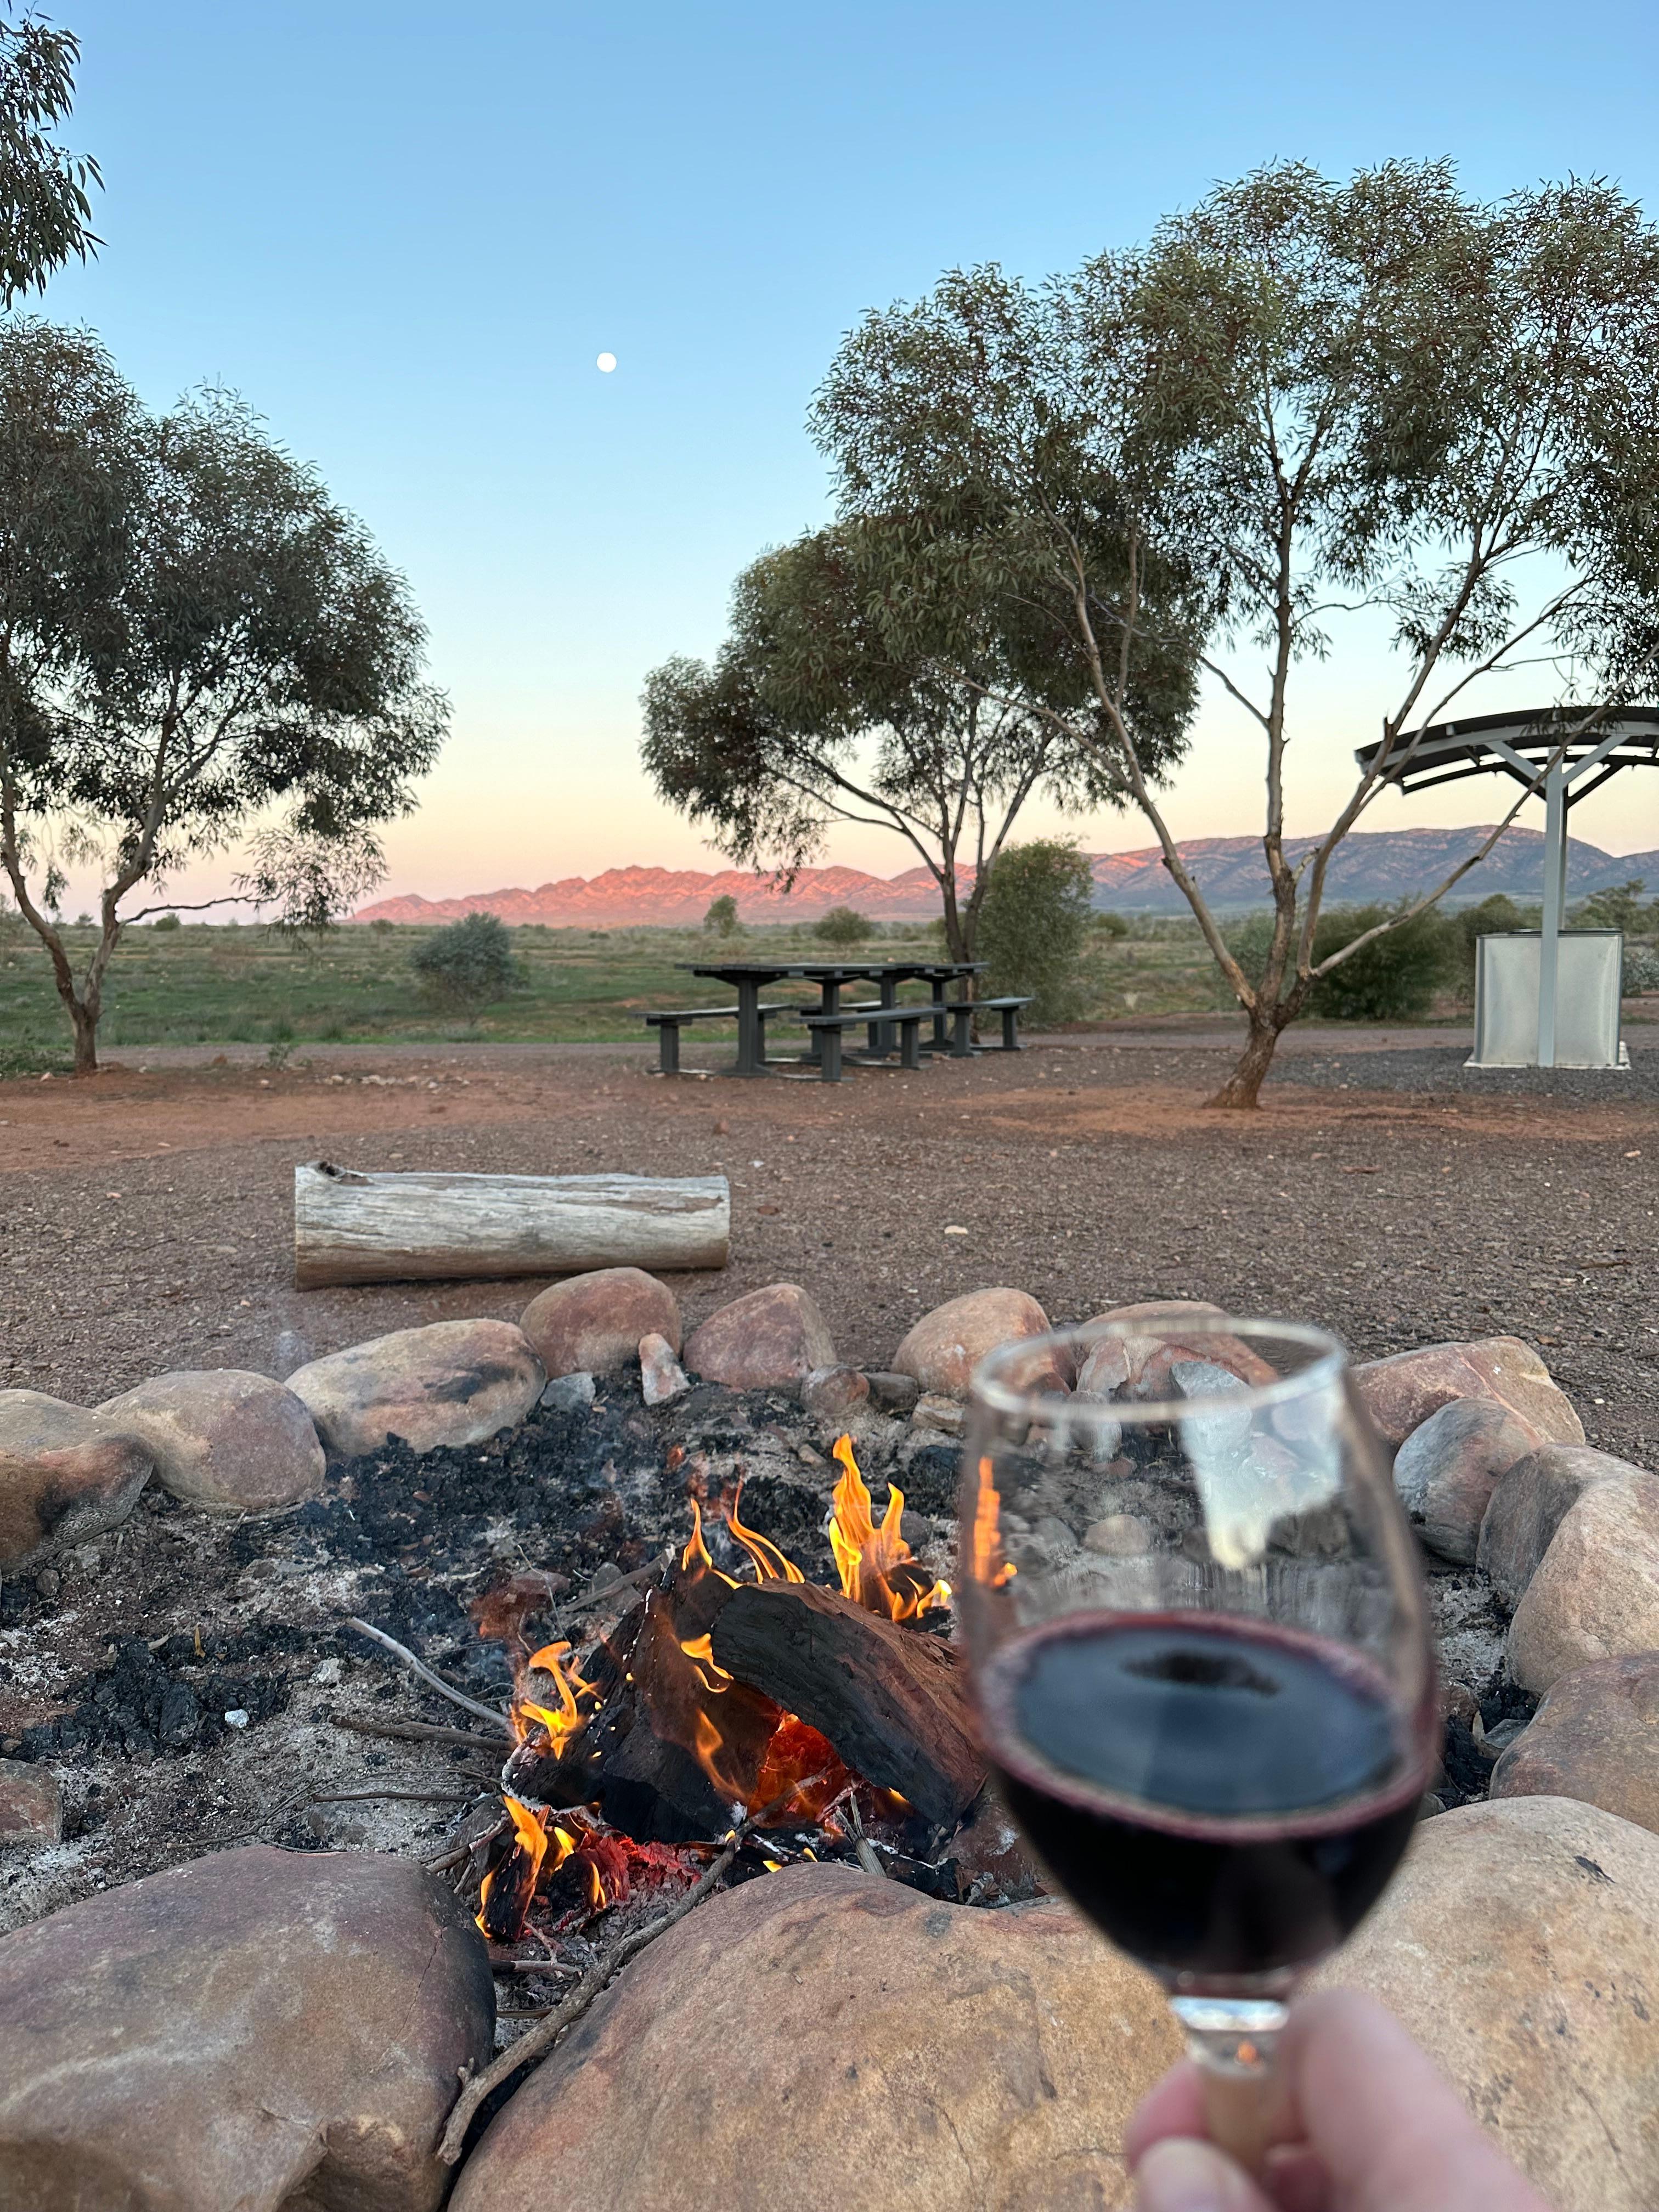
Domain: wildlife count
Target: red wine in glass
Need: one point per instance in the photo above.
(1222, 1799)
(1199, 1645)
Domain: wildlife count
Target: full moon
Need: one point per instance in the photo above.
(606, 362)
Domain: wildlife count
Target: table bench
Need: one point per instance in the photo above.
(668, 1027)
(825, 1029)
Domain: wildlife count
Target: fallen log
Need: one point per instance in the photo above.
(425, 1227)
(893, 1702)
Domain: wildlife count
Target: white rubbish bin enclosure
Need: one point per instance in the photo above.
(1590, 964)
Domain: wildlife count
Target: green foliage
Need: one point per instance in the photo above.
(46, 210)
(843, 925)
(1301, 398)
(197, 634)
(167, 922)
(1618, 907)
(1033, 925)
(721, 919)
(469, 965)
(871, 676)
(1393, 979)
(1105, 923)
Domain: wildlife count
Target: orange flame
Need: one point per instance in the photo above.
(877, 1568)
(563, 1723)
(530, 1843)
(770, 1563)
(987, 1536)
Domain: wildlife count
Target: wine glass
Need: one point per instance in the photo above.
(1201, 1656)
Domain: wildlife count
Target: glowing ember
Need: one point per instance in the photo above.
(769, 1762)
(877, 1568)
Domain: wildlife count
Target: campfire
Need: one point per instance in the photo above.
(750, 1704)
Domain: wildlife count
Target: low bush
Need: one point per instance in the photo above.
(1393, 979)
(469, 965)
(843, 925)
(721, 917)
(1033, 925)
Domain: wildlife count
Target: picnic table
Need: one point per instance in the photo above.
(749, 978)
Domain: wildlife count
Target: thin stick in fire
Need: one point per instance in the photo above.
(530, 2049)
(497, 1720)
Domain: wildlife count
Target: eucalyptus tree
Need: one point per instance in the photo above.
(868, 679)
(1301, 400)
(197, 647)
(46, 206)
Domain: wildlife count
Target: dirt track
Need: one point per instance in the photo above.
(147, 1217)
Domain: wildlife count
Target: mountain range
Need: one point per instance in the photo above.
(1377, 864)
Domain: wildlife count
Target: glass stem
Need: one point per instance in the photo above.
(1233, 2043)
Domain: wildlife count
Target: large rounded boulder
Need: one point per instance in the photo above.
(769, 1339)
(591, 1324)
(452, 1384)
(275, 2031)
(822, 2025)
(942, 1350)
(226, 1440)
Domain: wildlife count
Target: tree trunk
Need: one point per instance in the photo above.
(85, 1024)
(1240, 1092)
(349, 1227)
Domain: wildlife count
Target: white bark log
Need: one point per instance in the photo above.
(388, 1228)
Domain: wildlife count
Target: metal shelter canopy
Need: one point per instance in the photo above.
(1549, 751)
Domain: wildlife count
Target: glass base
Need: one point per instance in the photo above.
(1234, 2036)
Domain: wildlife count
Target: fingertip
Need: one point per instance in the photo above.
(1180, 2175)
(1173, 2106)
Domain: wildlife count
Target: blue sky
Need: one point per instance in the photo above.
(404, 232)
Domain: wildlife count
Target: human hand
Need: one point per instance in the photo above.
(1367, 2124)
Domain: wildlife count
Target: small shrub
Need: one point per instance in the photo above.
(1393, 979)
(1033, 925)
(721, 919)
(1618, 907)
(382, 927)
(1105, 923)
(843, 925)
(167, 922)
(468, 965)
(1641, 970)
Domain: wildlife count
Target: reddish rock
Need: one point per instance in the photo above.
(31, 1803)
(854, 2040)
(229, 1441)
(1447, 1469)
(944, 1347)
(1137, 1363)
(1402, 1392)
(1517, 1944)
(661, 1375)
(62, 1477)
(592, 1323)
(274, 2031)
(1514, 1370)
(454, 1382)
(768, 1338)
(835, 1394)
(1595, 1737)
(1529, 1504)
(1595, 1594)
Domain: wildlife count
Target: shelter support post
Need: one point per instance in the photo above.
(1555, 894)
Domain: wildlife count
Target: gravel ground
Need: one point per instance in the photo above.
(147, 1220)
(1431, 1069)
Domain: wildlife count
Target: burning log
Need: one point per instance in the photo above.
(893, 1703)
(352, 1227)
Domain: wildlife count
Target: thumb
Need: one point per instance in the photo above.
(1181, 2175)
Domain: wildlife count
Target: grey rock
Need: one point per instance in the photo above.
(1528, 1504)
(1447, 1467)
(568, 1393)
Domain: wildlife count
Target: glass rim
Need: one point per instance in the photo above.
(1330, 1361)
